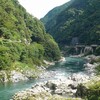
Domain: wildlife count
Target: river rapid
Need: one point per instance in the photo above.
(60, 70)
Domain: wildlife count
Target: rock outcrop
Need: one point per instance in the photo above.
(89, 89)
(3, 77)
(17, 76)
(91, 64)
(65, 88)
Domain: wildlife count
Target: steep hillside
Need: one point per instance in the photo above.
(80, 20)
(23, 39)
(54, 12)
(50, 18)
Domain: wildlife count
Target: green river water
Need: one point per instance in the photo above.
(59, 70)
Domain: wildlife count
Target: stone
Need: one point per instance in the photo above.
(16, 76)
(58, 91)
(3, 77)
(62, 59)
(73, 86)
(80, 77)
(81, 91)
(51, 85)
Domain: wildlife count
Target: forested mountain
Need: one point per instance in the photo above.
(53, 13)
(80, 20)
(23, 38)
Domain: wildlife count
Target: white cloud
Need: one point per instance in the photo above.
(39, 8)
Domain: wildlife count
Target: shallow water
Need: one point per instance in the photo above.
(57, 71)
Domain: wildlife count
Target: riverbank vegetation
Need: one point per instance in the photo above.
(23, 39)
(90, 90)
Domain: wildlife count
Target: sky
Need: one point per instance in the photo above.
(39, 8)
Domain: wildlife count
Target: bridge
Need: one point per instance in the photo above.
(79, 49)
(79, 46)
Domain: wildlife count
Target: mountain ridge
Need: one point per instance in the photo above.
(80, 19)
(54, 12)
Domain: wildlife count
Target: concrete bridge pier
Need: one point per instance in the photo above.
(88, 50)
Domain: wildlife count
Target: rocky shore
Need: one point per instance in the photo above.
(49, 89)
(17, 74)
(60, 89)
(92, 62)
(65, 88)
(14, 76)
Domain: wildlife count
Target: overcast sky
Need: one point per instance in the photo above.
(39, 8)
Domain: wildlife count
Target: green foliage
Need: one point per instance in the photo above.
(4, 57)
(95, 86)
(98, 69)
(94, 92)
(51, 49)
(80, 19)
(97, 51)
(53, 13)
(32, 54)
(23, 38)
(90, 90)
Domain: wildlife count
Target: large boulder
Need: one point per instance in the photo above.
(81, 91)
(16, 76)
(51, 85)
(80, 77)
(3, 77)
(73, 86)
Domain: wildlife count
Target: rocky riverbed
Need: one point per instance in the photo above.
(62, 88)
(17, 75)
(46, 90)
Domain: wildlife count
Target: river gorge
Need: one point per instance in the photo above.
(61, 70)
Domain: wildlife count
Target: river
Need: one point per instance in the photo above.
(59, 70)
